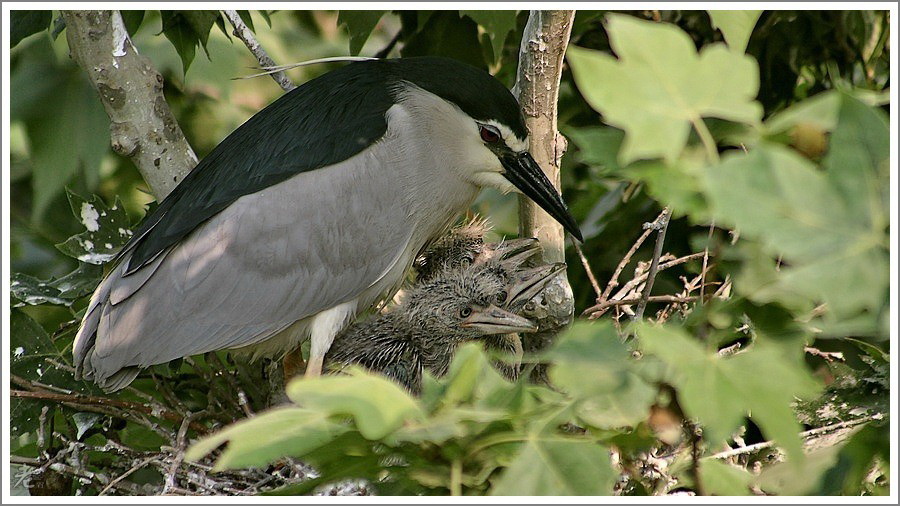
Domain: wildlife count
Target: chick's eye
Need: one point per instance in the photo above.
(489, 134)
(501, 297)
(465, 312)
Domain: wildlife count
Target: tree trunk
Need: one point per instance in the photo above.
(541, 54)
(142, 126)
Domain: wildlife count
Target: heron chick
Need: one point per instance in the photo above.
(433, 320)
(464, 246)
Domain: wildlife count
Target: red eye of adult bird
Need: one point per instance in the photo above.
(489, 134)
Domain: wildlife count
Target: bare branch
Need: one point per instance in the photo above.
(614, 280)
(601, 308)
(142, 126)
(587, 269)
(541, 54)
(660, 225)
(242, 31)
(82, 401)
(805, 434)
(628, 287)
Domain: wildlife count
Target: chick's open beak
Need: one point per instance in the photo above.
(529, 282)
(512, 253)
(493, 320)
(526, 175)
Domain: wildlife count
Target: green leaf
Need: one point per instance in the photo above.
(833, 245)
(721, 478)
(497, 24)
(720, 392)
(30, 348)
(446, 34)
(557, 467)
(33, 291)
(25, 23)
(589, 350)
(132, 20)
(247, 19)
(185, 30)
(257, 441)
(107, 230)
(266, 18)
(736, 26)
(62, 291)
(201, 22)
(597, 146)
(378, 405)
(848, 475)
(359, 25)
(858, 159)
(470, 379)
(80, 282)
(627, 406)
(660, 85)
(782, 478)
(678, 185)
(69, 132)
(593, 366)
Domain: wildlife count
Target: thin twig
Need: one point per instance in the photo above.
(89, 400)
(699, 489)
(139, 465)
(242, 32)
(669, 299)
(806, 434)
(587, 269)
(660, 225)
(712, 226)
(178, 454)
(614, 280)
(639, 279)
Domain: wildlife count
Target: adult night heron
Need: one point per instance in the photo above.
(434, 318)
(308, 213)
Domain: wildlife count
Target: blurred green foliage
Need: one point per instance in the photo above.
(770, 126)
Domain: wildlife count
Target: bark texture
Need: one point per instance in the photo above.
(142, 126)
(541, 54)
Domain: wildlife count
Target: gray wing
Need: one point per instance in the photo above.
(269, 259)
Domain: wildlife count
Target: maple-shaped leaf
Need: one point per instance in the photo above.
(660, 85)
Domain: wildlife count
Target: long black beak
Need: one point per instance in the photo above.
(523, 172)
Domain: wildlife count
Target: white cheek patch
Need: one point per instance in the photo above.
(493, 180)
(509, 137)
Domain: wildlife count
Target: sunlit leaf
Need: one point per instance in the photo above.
(833, 242)
(280, 432)
(660, 85)
(736, 26)
(721, 478)
(721, 391)
(378, 406)
(557, 467)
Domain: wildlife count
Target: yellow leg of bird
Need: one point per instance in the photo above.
(314, 367)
